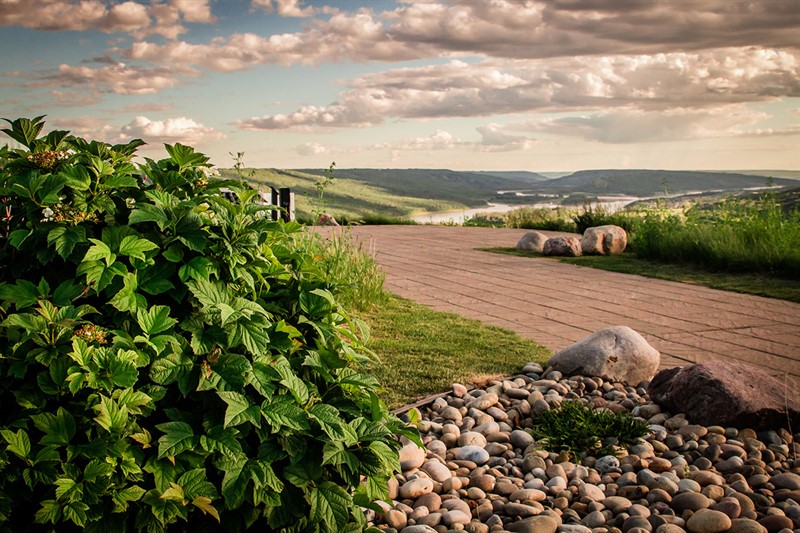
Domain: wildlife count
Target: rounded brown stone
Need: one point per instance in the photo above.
(708, 521)
(745, 525)
(775, 523)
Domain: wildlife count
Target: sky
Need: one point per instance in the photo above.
(556, 85)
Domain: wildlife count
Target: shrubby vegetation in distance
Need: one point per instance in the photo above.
(169, 357)
(751, 234)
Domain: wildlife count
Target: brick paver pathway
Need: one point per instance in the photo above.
(557, 304)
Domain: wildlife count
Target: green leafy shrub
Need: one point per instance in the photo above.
(591, 217)
(169, 359)
(734, 235)
(540, 218)
(578, 430)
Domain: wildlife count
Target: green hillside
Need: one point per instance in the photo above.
(464, 188)
(651, 182)
(518, 175)
(404, 192)
(344, 197)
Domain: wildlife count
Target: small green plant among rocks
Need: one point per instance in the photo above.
(579, 431)
(169, 359)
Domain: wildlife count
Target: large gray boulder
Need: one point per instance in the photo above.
(533, 241)
(728, 394)
(568, 246)
(618, 353)
(604, 240)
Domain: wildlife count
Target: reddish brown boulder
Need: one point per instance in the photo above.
(568, 246)
(726, 394)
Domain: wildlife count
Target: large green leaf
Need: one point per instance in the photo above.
(369, 430)
(122, 498)
(134, 246)
(76, 513)
(252, 332)
(23, 293)
(289, 380)
(59, 428)
(223, 440)
(111, 416)
(127, 299)
(173, 367)
(178, 437)
(195, 483)
(330, 506)
(24, 130)
(282, 411)
(149, 213)
(228, 373)
(155, 320)
(235, 482)
(18, 443)
(122, 368)
(329, 419)
(98, 275)
(65, 239)
(99, 251)
(195, 268)
(240, 410)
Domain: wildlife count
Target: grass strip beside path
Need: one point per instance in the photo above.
(759, 285)
(424, 351)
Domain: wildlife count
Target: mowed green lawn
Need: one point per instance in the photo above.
(423, 351)
(628, 263)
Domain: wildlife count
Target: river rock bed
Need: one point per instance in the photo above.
(482, 472)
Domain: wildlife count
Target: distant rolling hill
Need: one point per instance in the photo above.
(472, 189)
(519, 175)
(651, 182)
(789, 174)
(403, 192)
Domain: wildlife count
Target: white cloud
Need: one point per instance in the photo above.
(440, 140)
(494, 139)
(285, 8)
(626, 126)
(133, 17)
(154, 132)
(493, 87)
(311, 148)
(197, 11)
(171, 130)
(120, 78)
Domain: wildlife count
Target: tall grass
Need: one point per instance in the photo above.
(540, 218)
(736, 235)
(591, 217)
(352, 268)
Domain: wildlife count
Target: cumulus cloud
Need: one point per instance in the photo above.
(285, 8)
(133, 17)
(625, 126)
(491, 87)
(439, 140)
(120, 78)
(154, 132)
(311, 148)
(494, 139)
(171, 130)
(501, 29)
(348, 35)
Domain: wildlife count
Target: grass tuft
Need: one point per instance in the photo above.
(345, 261)
(578, 430)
